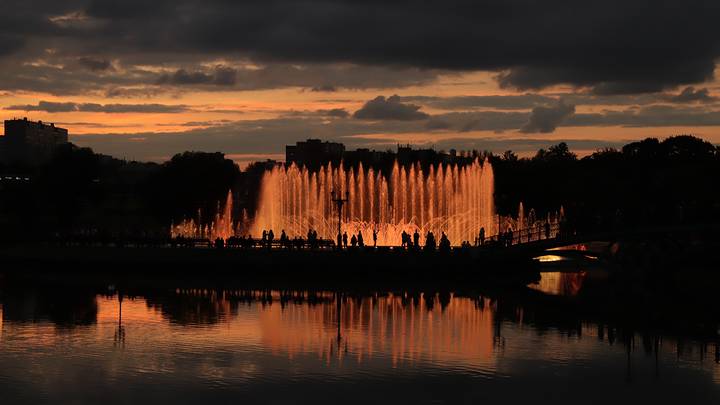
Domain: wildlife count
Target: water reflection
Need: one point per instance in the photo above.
(184, 345)
(49, 304)
(566, 284)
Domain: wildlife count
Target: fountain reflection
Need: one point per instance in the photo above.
(434, 327)
(233, 339)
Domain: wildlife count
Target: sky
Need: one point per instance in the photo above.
(144, 80)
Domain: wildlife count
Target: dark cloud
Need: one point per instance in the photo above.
(391, 108)
(133, 92)
(327, 113)
(511, 102)
(221, 76)
(95, 65)
(611, 46)
(141, 81)
(337, 113)
(692, 95)
(10, 44)
(497, 121)
(54, 107)
(531, 100)
(650, 116)
(47, 106)
(324, 88)
(435, 124)
(545, 119)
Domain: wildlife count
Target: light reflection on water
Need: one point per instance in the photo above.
(566, 284)
(190, 345)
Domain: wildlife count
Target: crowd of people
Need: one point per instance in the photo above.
(409, 241)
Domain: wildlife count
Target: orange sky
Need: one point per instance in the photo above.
(214, 109)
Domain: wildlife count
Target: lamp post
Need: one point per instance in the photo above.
(339, 201)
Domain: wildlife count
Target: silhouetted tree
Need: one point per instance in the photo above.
(191, 181)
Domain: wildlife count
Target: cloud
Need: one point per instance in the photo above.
(650, 116)
(546, 119)
(611, 47)
(692, 95)
(327, 88)
(54, 107)
(48, 74)
(531, 100)
(95, 65)
(509, 102)
(220, 76)
(327, 113)
(391, 108)
(468, 121)
(47, 106)
(337, 113)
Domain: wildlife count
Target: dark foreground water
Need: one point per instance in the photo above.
(176, 346)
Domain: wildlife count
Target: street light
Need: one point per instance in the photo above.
(339, 201)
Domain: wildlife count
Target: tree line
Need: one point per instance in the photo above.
(649, 182)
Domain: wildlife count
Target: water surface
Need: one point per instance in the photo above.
(185, 345)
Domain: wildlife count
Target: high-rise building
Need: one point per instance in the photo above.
(29, 142)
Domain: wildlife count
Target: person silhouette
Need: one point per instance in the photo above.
(444, 243)
(481, 236)
(345, 239)
(360, 240)
(271, 236)
(404, 239)
(353, 241)
(374, 238)
(416, 238)
(429, 241)
(283, 239)
(339, 240)
(547, 230)
(314, 243)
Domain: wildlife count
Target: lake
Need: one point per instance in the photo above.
(106, 344)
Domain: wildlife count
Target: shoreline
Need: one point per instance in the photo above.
(319, 267)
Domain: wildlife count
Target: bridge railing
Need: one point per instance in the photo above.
(527, 235)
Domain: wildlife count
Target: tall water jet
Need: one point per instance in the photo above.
(447, 198)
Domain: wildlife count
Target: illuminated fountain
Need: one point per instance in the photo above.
(454, 199)
(531, 227)
(457, 200)
(221, 227)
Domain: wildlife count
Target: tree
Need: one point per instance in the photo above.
(688, 147)
(556, 153)
(509, 156)
(648, 148)
(192, 181)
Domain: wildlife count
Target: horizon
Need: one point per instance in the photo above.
(245, 160)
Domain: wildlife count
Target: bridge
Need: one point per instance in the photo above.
(564, 244)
